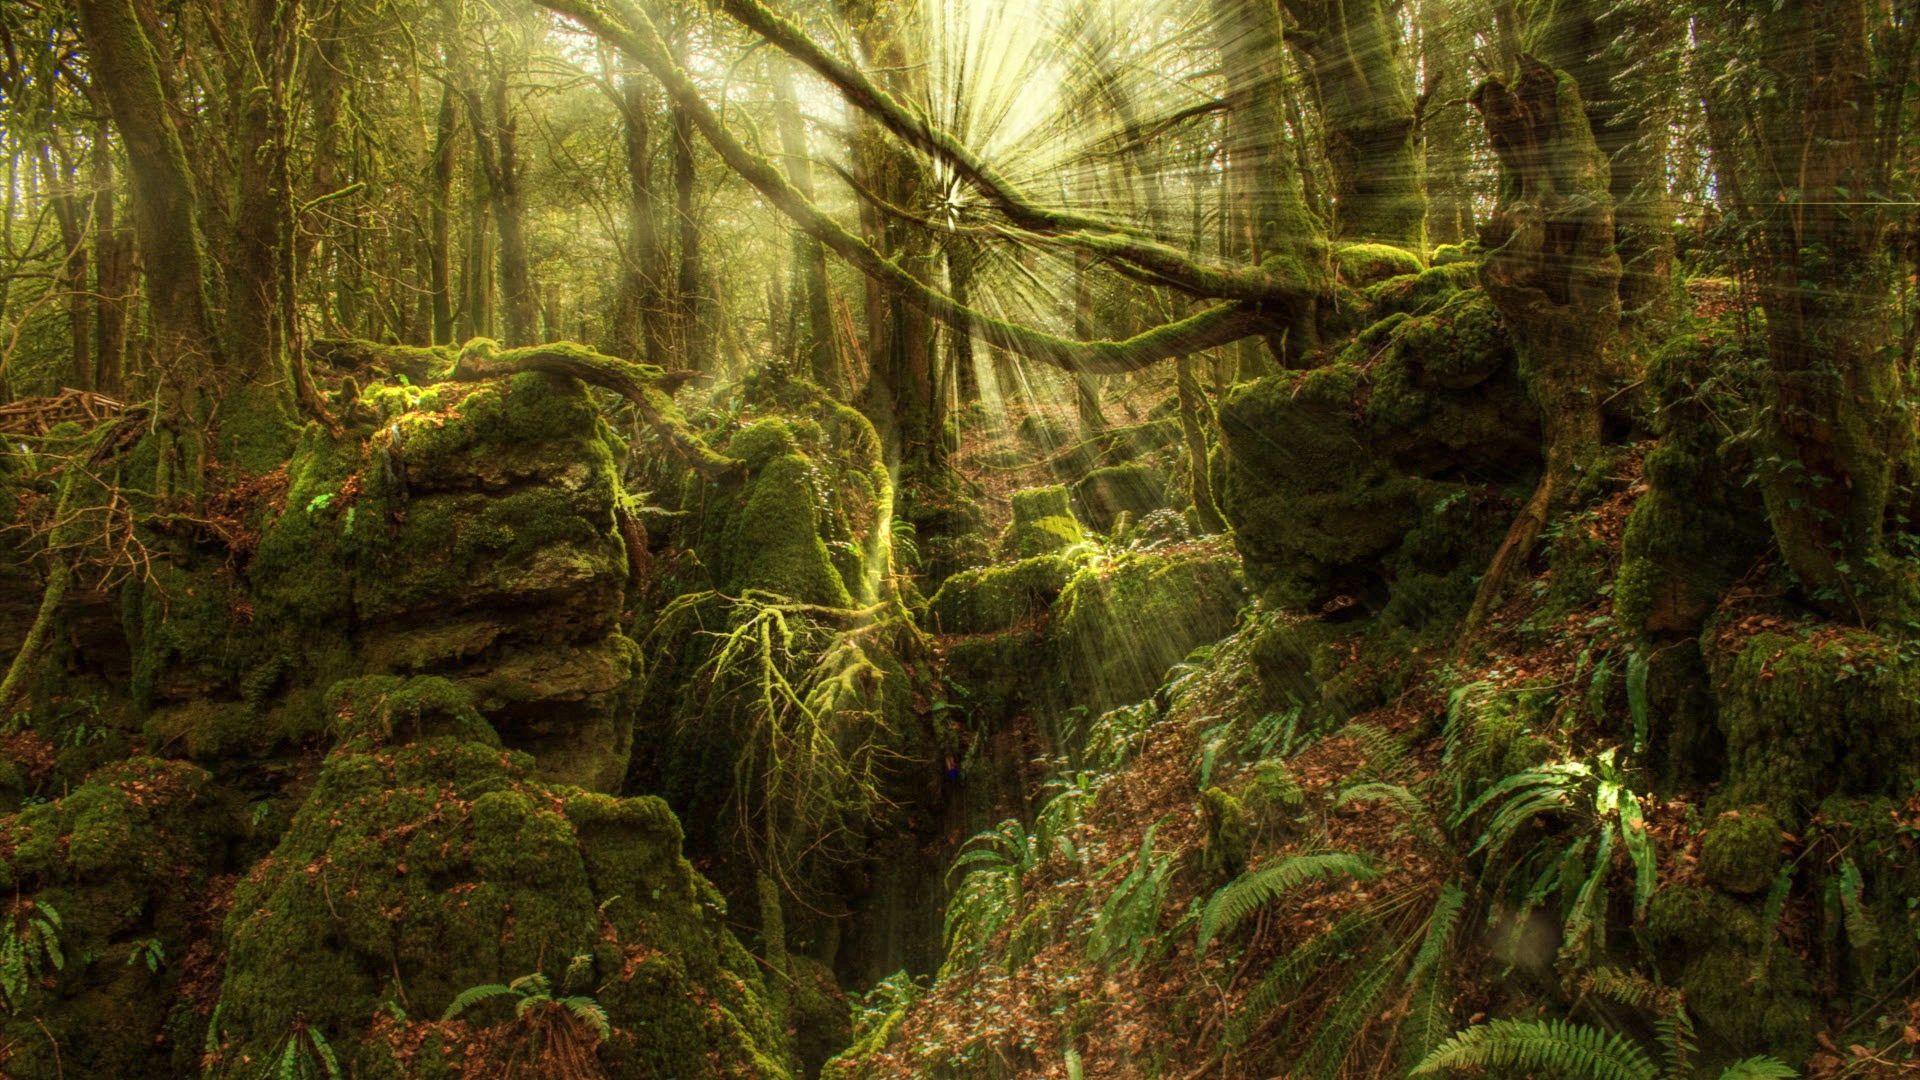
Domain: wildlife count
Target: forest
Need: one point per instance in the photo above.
(959, 539)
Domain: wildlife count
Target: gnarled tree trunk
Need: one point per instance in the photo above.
(1554, 276)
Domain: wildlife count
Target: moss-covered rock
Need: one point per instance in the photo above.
(1813, 711)
(1699, 526)
(1746, 994)
(1313, 509)
(1740, 852)
(416, 870)
(1421, 291)
(115, 876)
(992, 598)
(1104, 494)
(1043, 524)
(1120, 623)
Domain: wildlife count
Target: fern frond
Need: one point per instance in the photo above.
(1556, 1047)
(1413, 809)
(474, 995)
(1759, 1068)
(591, 1013)
(1337, 1032)
(1256, 888)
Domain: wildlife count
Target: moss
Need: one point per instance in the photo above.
(1452, 254)
(992, 598)
(414, 871)
(1813, 712)
(125, 857)
(822, 1016)
(1747, 995)
(1413, 293)
(1311, 509)
(760, 442)
(377, 709)
(1699, 527)
(775, 542)
(1043, 524)
(1120, 623)
(1365, 264)
(1229, 835)
(1740, 852)
(1871, 929)
(1106, 493)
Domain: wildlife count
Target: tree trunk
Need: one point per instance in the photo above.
(1839, 420)
(1584, 40)
(636, 325)
(1267, 208)
(810, 259)
(64, 195)
(1554, 276)
(1365, 88)
(440, 219)
(1444, 39)
(690, 290)
(500, 159)
(165, 223)
(112, 274)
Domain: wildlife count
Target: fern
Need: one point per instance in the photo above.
(474, 995)
(1131, 913)
(1557, 1048)
(1384, 755)
(1356, 1003)
(1293, 971)
(1256, 888)
(1413, 809)
(1759, 1068)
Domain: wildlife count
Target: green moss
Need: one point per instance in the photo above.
(1452, 254)
(992, 598)
(1364, 264)
(1134, 488)
(1043, 524)
(1813, 712)
(1418, 292)
(376, 709)
(1311, 510)
(775, 544)
(1747, 994)
(1700, 526)
(1229, 835)
(125, 857)
(1740, 852)
(415, 871)
(1121, 623)
(760, 442)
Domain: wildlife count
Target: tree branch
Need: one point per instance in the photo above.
(634, 34)
(1147, 256)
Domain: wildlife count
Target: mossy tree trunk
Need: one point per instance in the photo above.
(1445, 35)
(1839, 423)
(1587, 40)
(692, 314)
(112, 272)
(440, 218)
(1267, 216)
(1365, 88)
(902, 390)
(166, 224)
(1554, 276)
(814, 339)
(636, 326)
